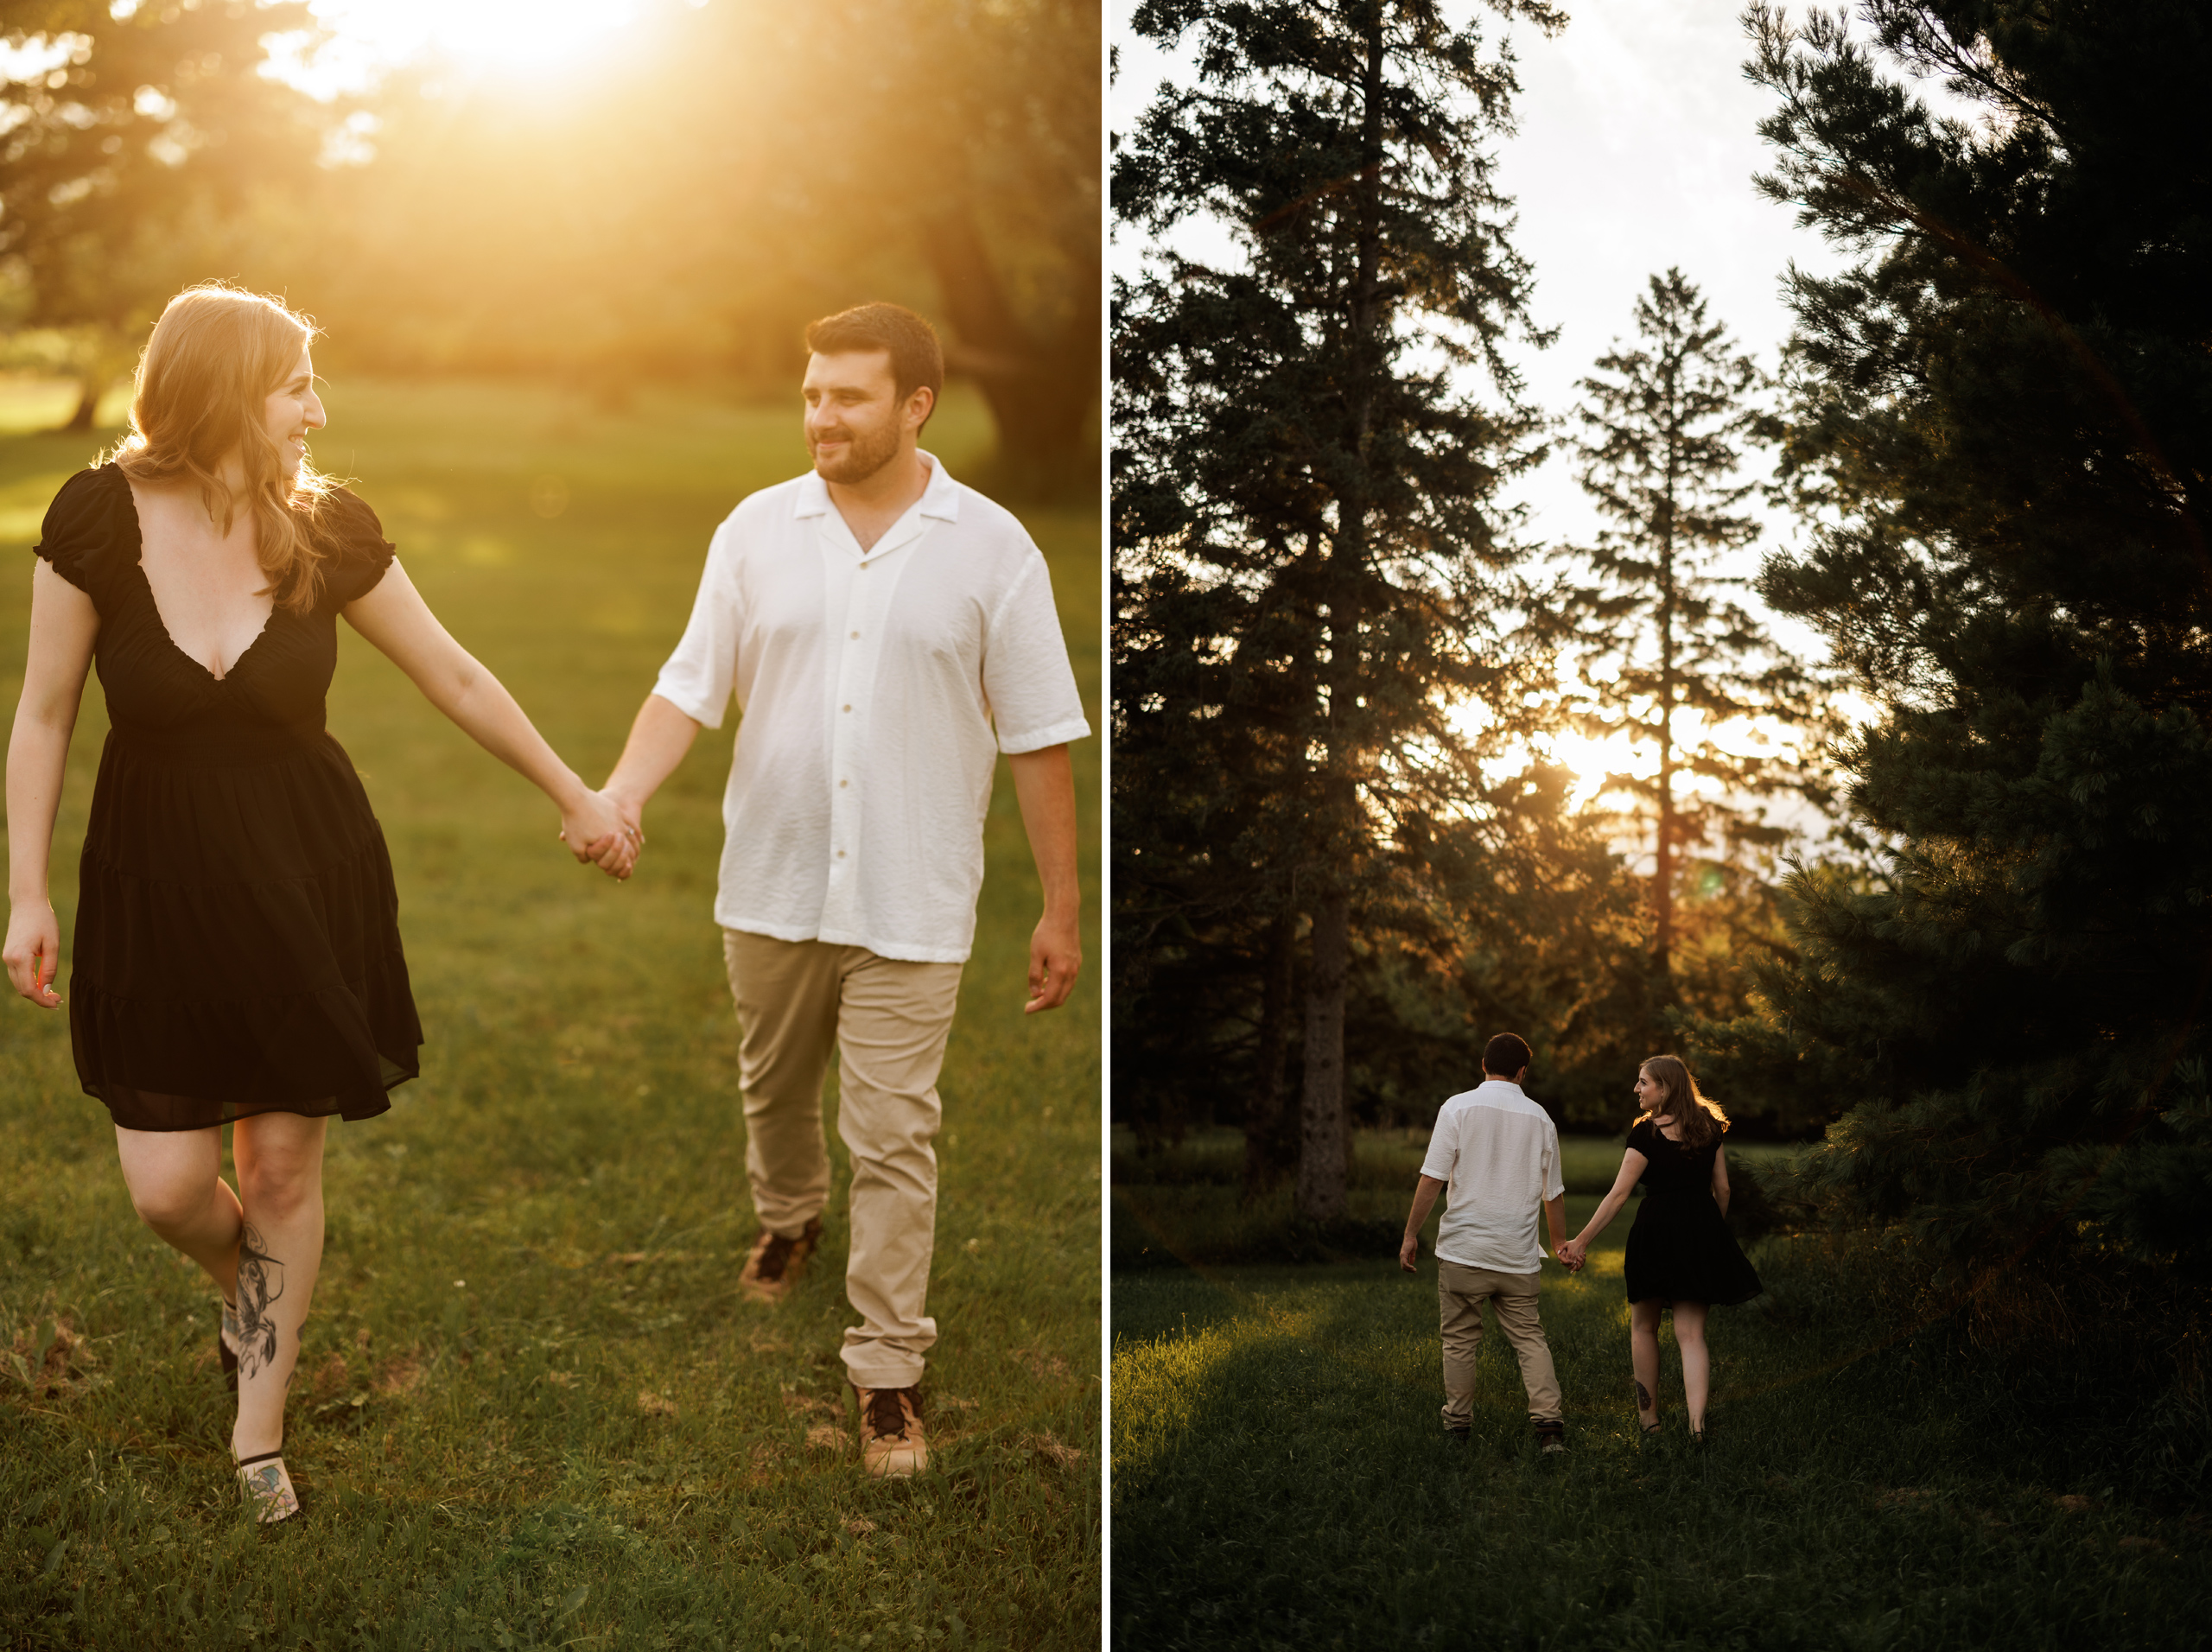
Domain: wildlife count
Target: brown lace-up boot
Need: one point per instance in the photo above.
(891, 1432)
(775, 1261)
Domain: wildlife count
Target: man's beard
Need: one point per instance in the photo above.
(865, 454)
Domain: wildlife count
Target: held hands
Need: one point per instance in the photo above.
(598, 830)
(32, 952)
(1571, 1254)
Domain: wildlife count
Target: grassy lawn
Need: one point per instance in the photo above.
(531, 1409)
(1280, 1481)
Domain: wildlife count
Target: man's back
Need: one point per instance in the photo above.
(1497, 1152)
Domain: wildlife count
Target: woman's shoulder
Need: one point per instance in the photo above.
(1641, 1133)
(91, 514)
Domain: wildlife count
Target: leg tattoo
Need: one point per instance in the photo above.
(261, 1282)
(1643, 1397)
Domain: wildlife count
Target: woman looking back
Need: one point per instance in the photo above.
(237, 948)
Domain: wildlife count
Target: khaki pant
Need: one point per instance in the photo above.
(887, 1019)
(1461, 1293)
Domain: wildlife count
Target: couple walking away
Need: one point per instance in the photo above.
(1497, 1153)
(886, 632)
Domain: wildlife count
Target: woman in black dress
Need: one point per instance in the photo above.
(1680, 1253)
(237, 954)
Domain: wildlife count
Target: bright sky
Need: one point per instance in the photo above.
(1637, 143)
(508, 37)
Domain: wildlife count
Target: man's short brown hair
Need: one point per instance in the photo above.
(1505, 1055)
(917, 358)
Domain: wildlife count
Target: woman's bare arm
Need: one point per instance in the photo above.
(64, 623)
(396, 620)
(1632, 1164)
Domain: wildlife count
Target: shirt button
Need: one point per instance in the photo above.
(857, 635)
(841, 854)
(844, 783)
(848, 707)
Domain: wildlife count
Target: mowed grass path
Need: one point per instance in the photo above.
(532, 1410)
(1280, 1480)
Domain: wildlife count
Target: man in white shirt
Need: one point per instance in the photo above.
(885, 633)
(1497, 1152)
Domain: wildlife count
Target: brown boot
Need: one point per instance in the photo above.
(776, 1261)
(891, 1432)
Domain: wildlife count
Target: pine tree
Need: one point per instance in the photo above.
(1309, 562)
(1998, 438)
(1661, 633)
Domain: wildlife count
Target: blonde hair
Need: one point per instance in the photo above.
(200, 394)
(1701, 1120)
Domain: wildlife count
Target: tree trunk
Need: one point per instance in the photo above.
(1041, 390)
(1324, 1146)
(1263, 1115)
(89, 392)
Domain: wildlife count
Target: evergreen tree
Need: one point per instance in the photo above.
(1309, 566)
(1999, 433)
(1659, 629)
(148, 157)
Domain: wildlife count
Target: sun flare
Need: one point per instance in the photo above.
(490, 35)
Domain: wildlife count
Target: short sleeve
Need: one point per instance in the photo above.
(1639, 1136)
(702, 672)
(354, 540)
(1555, 1182)
(81, 525)
(1027, 677)
(1443, 1148)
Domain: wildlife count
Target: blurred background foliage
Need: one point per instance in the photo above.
(672, 208)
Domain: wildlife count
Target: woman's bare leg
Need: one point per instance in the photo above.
(1697, 1365)
(176, 1185)
(1643, 1355)
(279, 1158)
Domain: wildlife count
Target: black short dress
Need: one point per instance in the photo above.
(1680, 1249)
(238, 931)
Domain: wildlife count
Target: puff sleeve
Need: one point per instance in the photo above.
(83, 524)
(354, 540)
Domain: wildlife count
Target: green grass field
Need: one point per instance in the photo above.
(1281, 1480)
(531, 1409)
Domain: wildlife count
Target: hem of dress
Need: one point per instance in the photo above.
(354, 1110)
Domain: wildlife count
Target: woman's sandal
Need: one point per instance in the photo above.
(268, 1488)
(228, 1340)
(1650, 1430)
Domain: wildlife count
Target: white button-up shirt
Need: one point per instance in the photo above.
(870, 684)
(1498, 1154)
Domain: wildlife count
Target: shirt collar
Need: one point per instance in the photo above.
(941, 498)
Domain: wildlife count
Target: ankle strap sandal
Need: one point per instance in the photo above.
(268, 1488)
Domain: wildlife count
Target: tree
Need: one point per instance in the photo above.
(142, 149)
(735, 171)
(1659, 629)
(1310, 564)
(1998, 436)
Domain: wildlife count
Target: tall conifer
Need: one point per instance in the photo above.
(2000, 437)
(1668, 652)
(1309, 570)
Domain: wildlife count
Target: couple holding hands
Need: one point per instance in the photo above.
(1497, 1152)
(886, 631)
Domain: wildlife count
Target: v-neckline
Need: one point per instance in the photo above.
(138, 531)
